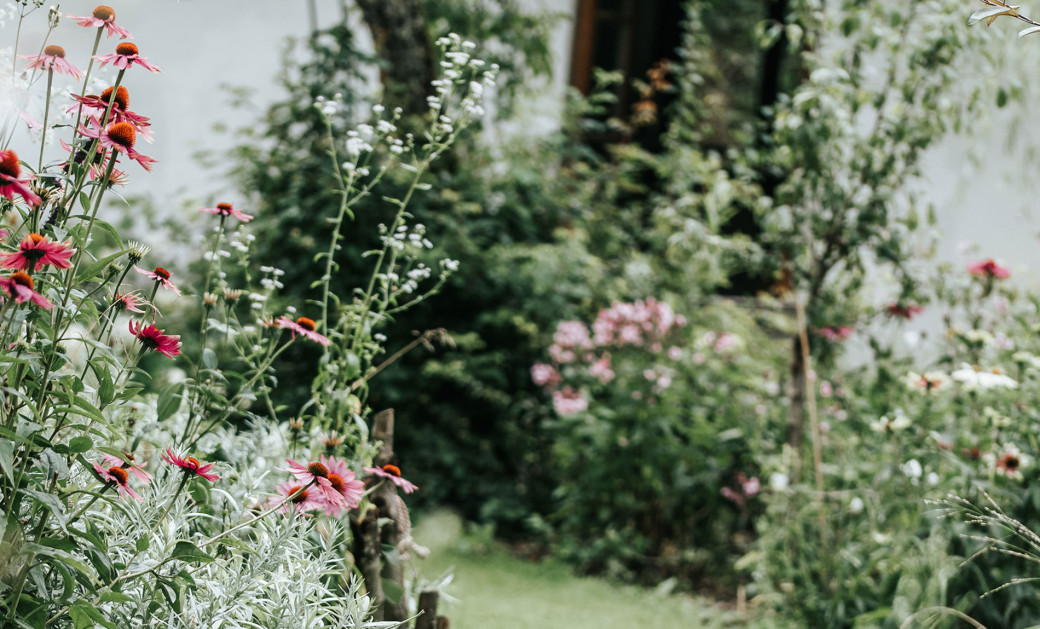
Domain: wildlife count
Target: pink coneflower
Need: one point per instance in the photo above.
(129, 464)
(94, 107)
(20, 286)
(115, 178)
(988, 268)
(126, 55)
(317, 473)
(154, 338)
(303, 500)
(103, 17)
(303, 326)
(119, 477)
(120, 137)
(127, 301)
(38, 251)
(190, 465)
(226, 209)
(345, 482)
(393, 473)
(10, 184)
(52, 58)
(160, 275)
(907, 312)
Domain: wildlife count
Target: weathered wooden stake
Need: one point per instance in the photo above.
(428, 611)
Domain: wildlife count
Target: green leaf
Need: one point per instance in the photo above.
(169, 401)
(80, 444)
(186, 551)
(142, 544)
(97, 267)
(209, 358)
(7, 458)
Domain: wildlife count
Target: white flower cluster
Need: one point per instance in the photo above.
(404, 238)
(329, 107)
(459, 71)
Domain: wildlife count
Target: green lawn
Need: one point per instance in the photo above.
(497, 591)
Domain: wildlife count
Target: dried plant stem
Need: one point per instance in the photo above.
(814, 422)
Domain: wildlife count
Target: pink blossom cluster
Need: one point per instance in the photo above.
(641, 323)
(748, 488)
(568, 401)
(569, 339)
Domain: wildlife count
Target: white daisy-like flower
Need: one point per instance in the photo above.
(975, 377)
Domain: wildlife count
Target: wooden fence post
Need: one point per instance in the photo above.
(428, 611)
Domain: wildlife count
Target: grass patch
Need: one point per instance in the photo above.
(496, 590)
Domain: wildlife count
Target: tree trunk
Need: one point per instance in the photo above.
(401, 40)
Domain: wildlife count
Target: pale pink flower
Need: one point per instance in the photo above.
(160, 275)
(393, 474)
(20, 286)
(544, 375)
(303, 499)
(724, 342)
(988, 268)
(569, 401)
(119, 477)
(190, 465)
(37, 251)
(303, 326)
(826, 390)
(316, 475)
(103, 17)
(126, 55)
(127, 301)
(674, 353)
(52, 58)
(835, 334)
(226, 209)
(10, 184)
(601, 369)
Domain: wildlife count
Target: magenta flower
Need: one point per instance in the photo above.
(836, 334)
(393, 473)
(316, 475)
(190, 465)
(36, 251)
(10, 184)
(344, 481)
(303, 500)
(160, 275)
(117, 476)
(303, 326)
(154, 338)
(120, 137)
(20, 286)
(126, 55)
(988, 268)
(103, 17)
(130, 463)
(94, 108)
(53, 58)
(226, 209)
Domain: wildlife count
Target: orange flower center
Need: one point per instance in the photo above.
(122, 97)
(317, 469)
(337, 482)
(306, 324)
(122, 133)
(9, 164)
(162, 273)
(22, 278)
(224, 207)
(119, 474)
(300, 497)
(36, 238)
(392, 470)
(103, 12)
(54, 51)
(192, 461)
(126, 49)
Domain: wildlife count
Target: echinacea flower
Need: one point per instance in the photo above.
(316, 475)
(37, 251)
(126, 55)
(303, 326)
(1009, 462)
(103, 17)
(226, 209)
(10, 184)
(120, 137)
(393, 473)
(52, 58)
(302, 498)
(154, 338)
(119, 477)
(908, 311)
(127, 301)
(190, 465)
(344, 481)
(988, 268)
(130, 463)
(95, 107)
(20, 286)
(160, 275)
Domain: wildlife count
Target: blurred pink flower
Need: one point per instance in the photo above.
(601, 369)
(569, 401)
(53, 58)
(393, 473)
(20, 286)
(190, 465)
(303, 326)
(103, 17)
(130, 463)
(835, 334)
(160, 275)
(988, 268)
(119, 477)
(10, 184)
(226, 209)
(544, 375)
